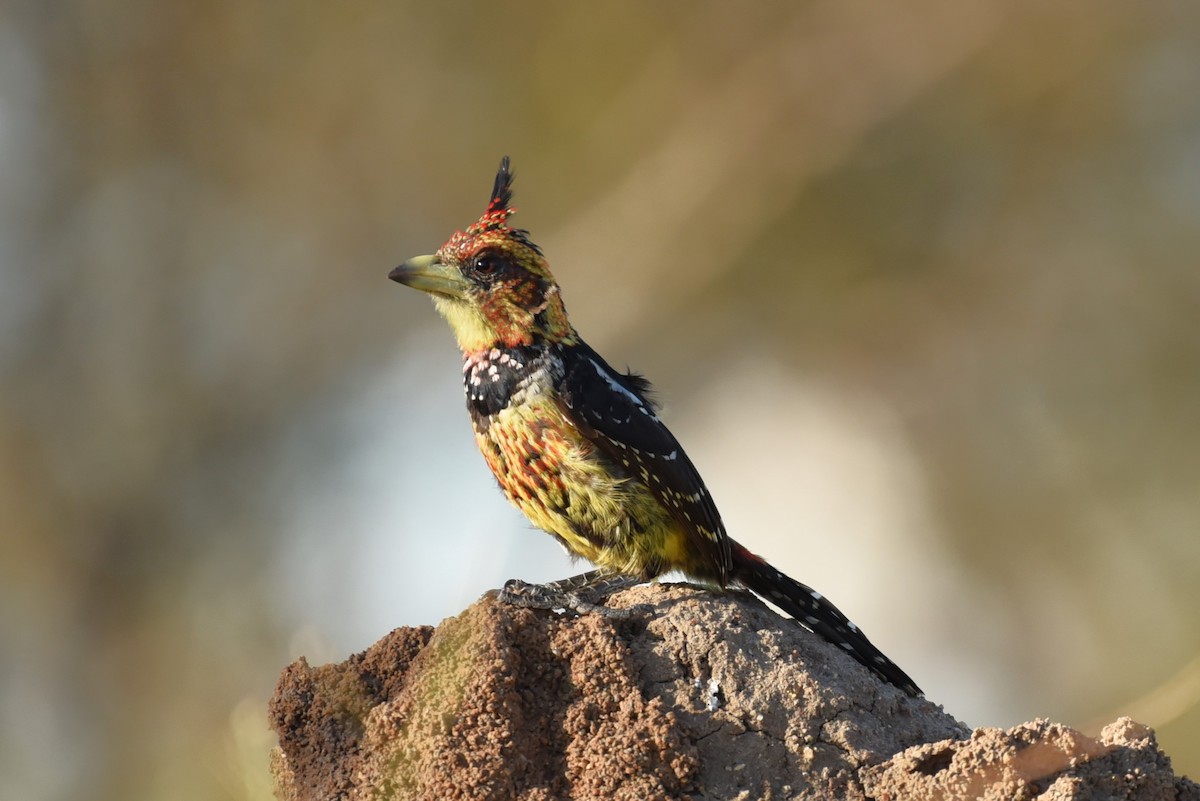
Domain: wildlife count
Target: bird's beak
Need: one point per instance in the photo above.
(428, 274)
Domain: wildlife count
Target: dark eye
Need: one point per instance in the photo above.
(486, 265)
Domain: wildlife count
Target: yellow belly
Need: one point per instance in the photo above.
(565, 486)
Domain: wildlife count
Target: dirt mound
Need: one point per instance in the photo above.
(1041, 760)
(699, 696)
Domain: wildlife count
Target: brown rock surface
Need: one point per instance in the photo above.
(700, 696)
(1038, 760)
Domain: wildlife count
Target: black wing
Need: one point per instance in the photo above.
(614, 412)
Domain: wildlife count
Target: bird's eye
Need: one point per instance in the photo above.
(485, 265)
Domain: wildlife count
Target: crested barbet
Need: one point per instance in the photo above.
(579, 447)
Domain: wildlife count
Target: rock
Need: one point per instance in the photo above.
(1037, 760)
(697, 696)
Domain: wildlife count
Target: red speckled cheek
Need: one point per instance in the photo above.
(524, 292)
(505, 319)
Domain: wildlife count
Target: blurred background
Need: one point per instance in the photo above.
(919, 288)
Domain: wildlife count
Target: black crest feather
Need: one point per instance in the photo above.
(498, 207)
(502, 189)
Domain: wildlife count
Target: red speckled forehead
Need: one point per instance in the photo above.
(462, 245)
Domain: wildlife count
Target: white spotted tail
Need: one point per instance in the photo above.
(811, 609)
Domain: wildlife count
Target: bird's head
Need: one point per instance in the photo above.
(491, 282)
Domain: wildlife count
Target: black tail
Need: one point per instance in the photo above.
(810, 609)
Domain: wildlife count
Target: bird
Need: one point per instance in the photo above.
(579, 446)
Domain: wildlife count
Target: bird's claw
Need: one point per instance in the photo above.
(557, 596)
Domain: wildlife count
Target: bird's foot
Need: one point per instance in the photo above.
(582, 594)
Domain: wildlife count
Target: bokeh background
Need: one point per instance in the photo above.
(918, 284)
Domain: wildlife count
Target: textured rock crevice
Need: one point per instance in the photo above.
(701, 697)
